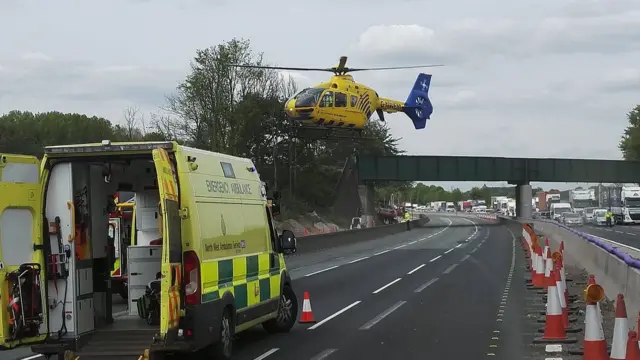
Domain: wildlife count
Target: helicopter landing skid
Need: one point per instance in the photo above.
(327, 133)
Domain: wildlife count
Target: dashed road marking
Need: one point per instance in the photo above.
(553, 348)
(448, 251)
(465, 257)
(265, 355)
(334, 315)
(450, 269)
(323, 270)
(435, 258)
(382, 315)
(386, 286)
(457, 246)
(493, 343)
(416, 269)
(324, 354)
(382, 252)
(399, 246)
(424, 286)
(356, 260)
(630, 233)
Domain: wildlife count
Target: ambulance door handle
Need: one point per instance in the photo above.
(72, 210)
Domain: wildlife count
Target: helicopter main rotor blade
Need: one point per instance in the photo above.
(281, 68)
(392, 68)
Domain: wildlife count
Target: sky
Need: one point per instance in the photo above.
(521, 78)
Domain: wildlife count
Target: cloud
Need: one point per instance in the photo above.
(33, 77)
(622, 80)
(472, 40)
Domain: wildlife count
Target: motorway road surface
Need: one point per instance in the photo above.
(429, 293)
(437, 292)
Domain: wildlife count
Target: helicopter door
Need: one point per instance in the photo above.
(327, 100)
(341, 100)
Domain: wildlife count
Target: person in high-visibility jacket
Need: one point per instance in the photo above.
(406, 217)
(609, 218)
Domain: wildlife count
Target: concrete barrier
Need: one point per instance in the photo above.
(313, 243)
(613, 273)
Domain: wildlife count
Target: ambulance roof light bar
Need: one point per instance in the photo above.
(107, 146)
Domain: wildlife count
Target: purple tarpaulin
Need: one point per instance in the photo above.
(629, 260)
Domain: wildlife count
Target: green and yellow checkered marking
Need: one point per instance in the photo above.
(248, 279)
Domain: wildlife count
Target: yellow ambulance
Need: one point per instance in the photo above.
(207, 263)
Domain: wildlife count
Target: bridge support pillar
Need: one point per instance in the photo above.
(367, 202)
(523, 201)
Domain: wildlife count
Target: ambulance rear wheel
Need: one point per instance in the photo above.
(287, 313)
(223, 349)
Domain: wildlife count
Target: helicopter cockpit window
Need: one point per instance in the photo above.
(341, 99)
(354, 100)
(327, 99)
(308, 97)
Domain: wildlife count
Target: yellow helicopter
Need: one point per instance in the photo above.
(343, 103)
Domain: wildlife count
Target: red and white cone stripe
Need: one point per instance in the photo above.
(554, 327)
(595, 346)
(620, 331)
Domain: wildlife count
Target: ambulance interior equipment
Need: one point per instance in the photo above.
(80, 254)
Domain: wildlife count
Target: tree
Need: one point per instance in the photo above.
(630, 142)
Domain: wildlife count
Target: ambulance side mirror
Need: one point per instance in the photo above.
(288, 242)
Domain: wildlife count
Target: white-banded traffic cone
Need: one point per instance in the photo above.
(307, 314)
(595, 346)
(620, 331)
(633, 352)
(554, 331)
(539, 270)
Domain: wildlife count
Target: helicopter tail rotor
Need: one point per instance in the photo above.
(418, 106)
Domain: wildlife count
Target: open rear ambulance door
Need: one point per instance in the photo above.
(23, 309)
(171, 246)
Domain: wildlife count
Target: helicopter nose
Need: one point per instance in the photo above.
(289, 107)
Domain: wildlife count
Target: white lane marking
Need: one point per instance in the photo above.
(435, 258)
(413, 242)
(382, 252)
(324, 354)
(399, 246)
(620, 232)
(32, 357)
(416, 269)
(334, 315)
(465, 257)
(382, 315)
(474, 250)
(439, 232)
(553, 348)
(553, 358)
(424, 286)
(630, 234)
(323, 270)
(450, 269)
(448, 251)
(475, 231)
(356, 260)
(386, 286)
(457, 246)
(265, 355)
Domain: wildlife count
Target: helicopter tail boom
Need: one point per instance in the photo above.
(418, 106)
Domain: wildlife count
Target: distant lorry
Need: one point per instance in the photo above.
(582, 198)
(624, 202)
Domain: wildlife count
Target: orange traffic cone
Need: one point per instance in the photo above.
(307, 314)
(620, 331)
(538, 279)
(595, 346)
(633, 351)
(554, 330)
